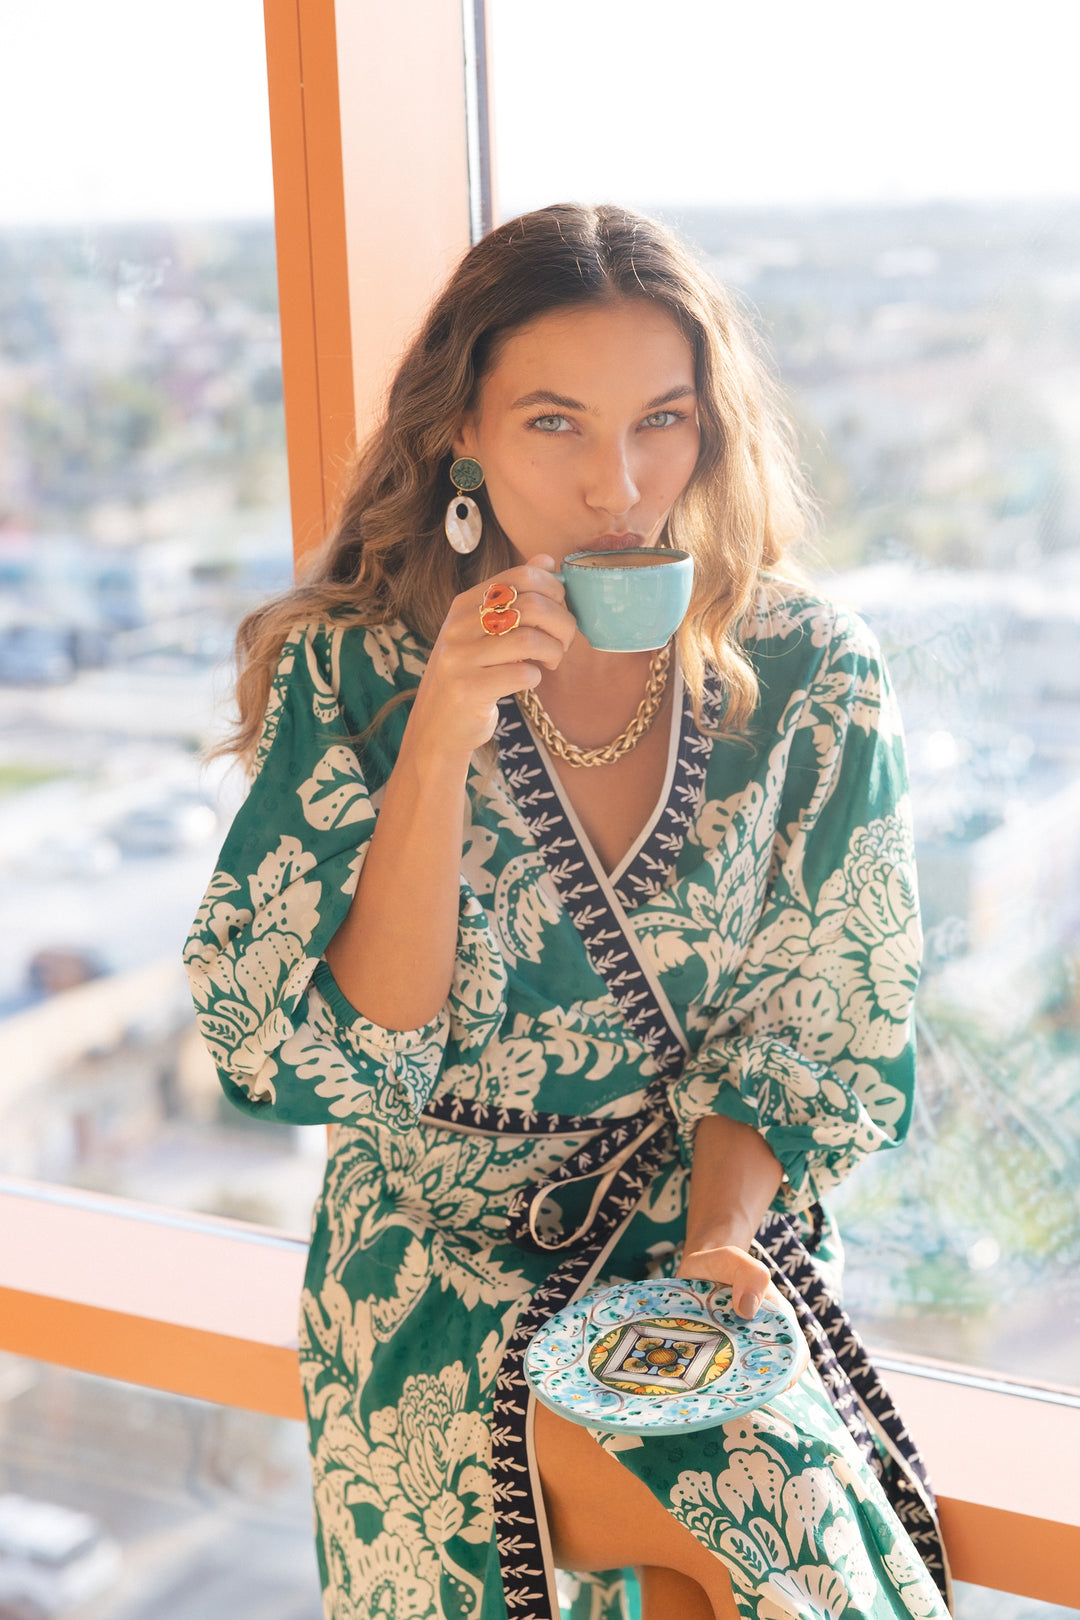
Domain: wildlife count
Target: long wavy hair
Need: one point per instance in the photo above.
(387, 557)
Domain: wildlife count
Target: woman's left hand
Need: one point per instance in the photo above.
(747, 1278)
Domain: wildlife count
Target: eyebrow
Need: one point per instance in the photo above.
(544, 396)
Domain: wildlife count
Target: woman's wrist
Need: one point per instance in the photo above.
(733, 1233)
(428, 764)
(733, 1180)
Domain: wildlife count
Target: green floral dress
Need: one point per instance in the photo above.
(755, 955)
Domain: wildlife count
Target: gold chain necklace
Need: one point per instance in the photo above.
(607, 753)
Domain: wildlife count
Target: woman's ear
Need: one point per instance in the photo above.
(465, 438)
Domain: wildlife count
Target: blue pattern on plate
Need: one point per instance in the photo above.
(768, 1356)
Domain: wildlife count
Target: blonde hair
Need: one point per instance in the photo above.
(388, 558)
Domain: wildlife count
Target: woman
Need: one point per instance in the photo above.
(510, 912)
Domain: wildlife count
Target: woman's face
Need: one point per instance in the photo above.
(586, 428)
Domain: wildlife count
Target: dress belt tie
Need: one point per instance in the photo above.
(625, 1156)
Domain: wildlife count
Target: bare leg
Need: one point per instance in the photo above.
(602, 1517)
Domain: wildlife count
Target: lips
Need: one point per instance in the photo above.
(615, 542)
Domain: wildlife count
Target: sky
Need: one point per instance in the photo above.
(785, 101)
(133, 109)
(126, 109)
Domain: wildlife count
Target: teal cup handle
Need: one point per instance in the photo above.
(628, 601)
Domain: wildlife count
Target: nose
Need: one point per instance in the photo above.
(610, 485)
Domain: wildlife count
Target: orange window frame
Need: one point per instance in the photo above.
(378, 189)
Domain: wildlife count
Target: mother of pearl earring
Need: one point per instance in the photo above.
(464, 524)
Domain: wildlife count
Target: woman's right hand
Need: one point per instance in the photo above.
(469, 671)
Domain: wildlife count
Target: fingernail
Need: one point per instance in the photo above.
(749, 1305)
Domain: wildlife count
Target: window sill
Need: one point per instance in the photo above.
(207, 1308)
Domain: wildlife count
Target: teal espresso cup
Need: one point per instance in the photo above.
(628, 601)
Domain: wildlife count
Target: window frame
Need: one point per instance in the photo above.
(206, 1307)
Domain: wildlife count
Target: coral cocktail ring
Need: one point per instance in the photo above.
(498, 615)
(499, 621)
(499, 595)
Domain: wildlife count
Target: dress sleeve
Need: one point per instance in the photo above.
(815, 1047)
(287, 1043)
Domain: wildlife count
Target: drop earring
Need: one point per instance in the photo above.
(464, 524)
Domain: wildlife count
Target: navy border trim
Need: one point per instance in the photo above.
(609, 949)
(652, 867)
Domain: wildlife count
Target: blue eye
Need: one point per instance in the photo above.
(550, 424)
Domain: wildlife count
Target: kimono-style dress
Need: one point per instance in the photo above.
(754, 955)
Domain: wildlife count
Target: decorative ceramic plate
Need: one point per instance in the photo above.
(668, 1354)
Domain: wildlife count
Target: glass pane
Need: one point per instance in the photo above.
(143, 508)
(927, 333)
(122, 1503)
(925, 396)
(980, 1603)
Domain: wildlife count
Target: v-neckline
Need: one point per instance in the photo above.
(676, 726)
(646, 867)
(597, 905)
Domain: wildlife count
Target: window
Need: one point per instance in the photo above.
(247, 1467)
(913, 259)
(143, 509)
(135, 1502)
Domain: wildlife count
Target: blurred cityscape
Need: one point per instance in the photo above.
(143, 502)
(930, 357)
(196, 1512)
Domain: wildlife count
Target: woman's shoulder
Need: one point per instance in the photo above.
(791, 616)
(334, 675)
(347, 655)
